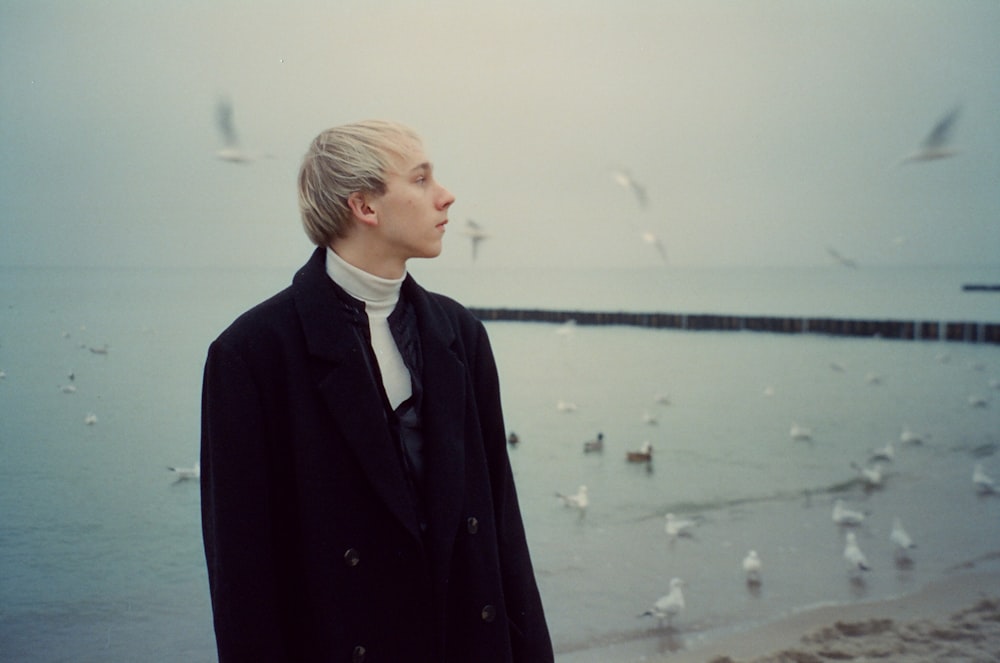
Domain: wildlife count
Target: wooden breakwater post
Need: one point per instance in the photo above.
(907, 330)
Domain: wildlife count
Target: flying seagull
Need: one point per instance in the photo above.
(476, 233)
(936, 145)
(840, 259)
(650, 238)
(625, 180)
(231, 150)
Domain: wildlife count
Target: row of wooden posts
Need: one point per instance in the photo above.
(908, 330)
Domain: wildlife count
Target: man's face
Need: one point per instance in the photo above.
(413, 211)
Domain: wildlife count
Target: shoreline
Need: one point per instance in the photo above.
(914, 628)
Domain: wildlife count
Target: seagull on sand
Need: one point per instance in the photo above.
(936, 144)
(844, 516)
(186, 473)
(579, 501)
(476, 234)
(669, 606)
(676, 527)
(627, 182)
(901, 540)
(752, 567)
(983, 482)
(856, 560)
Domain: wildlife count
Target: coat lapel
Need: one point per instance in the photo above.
(444, 425)
(345, 380)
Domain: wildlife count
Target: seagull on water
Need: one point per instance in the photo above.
(936, 144)
(186, 473)
(476, 234)
(676, 527)
(907, 436)
(579, 501)
(669, 606)
(90, 419)
(752, 567)
(886, 453)
(871, 475)
(566, 406)
(856, 560)
(900, 539)
(845, 516)
(800, 433)
(983, 482)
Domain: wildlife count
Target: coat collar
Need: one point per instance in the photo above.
(331, 322)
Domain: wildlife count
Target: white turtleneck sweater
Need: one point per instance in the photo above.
(380, 297)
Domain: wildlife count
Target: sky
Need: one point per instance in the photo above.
(764, 132)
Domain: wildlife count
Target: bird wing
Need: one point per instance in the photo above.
(224, 120)
(939, 134)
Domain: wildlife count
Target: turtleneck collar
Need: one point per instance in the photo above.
(379, 294)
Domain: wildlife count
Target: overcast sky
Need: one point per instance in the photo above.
(764, 132)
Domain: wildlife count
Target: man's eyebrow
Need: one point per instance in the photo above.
(424, 166)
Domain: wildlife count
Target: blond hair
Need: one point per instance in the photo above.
(344, 160)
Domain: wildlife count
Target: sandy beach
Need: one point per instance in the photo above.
(956, 619)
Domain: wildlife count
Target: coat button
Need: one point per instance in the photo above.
(472, 524)
(351, 558)
(489, 613)
(358, 655)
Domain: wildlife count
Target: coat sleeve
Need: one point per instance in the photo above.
(529, 634)
(236, 513)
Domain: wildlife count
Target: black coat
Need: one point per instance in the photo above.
(312, 538)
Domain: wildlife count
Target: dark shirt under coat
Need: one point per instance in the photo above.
(313, 540)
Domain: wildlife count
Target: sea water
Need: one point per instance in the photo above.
(100, 548)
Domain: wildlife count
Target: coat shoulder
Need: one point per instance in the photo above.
(268, 319)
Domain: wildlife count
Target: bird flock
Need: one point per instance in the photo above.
(870, 473)
(72, 385)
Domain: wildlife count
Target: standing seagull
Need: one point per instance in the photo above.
(902, 541)
(856, 560)
(669, 606)
(752, 567)
(231, 150)
(476, 233)
(935, 146)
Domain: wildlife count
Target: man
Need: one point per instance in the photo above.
(357, 499)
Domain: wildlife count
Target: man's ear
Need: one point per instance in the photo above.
(363, 212)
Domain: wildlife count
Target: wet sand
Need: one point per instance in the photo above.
(955, 619)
